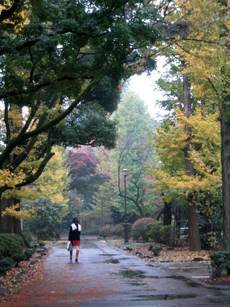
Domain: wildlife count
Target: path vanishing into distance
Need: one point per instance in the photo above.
(107, 276)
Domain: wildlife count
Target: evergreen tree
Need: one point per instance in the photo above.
(133, 153)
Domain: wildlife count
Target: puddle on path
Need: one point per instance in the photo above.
(128, 273)
(192, 284)
(108, 255)
(131, 274)
(161, 297)
(137, 283)
(113, 261)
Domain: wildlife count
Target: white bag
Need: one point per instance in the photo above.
(69, 246)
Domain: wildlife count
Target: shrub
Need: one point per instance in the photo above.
(18, 257)
(105, 231)
(6, 264)
(118, 230)
(166, 234)
(10, 244)
(46, 220)
(153, 231)
(220, 262)
(138, 231)
(155, 249)
(162, 234)
(28, 254)
(27, 235)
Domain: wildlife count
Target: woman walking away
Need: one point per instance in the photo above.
(74, 237)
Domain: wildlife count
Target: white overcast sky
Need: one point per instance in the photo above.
(145, 86)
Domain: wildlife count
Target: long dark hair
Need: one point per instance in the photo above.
(75, 221)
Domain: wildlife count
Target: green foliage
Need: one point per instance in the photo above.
(155, 249)
(139, 231)
(220, 262)
(28, 254)
(161, 234)
(27, 235)
(210, 219)
(46, 221)
(85, 122)
(18, 257)
(133, 152)
(153, 231)
(166, 235)
(6, 264)
(118, 230)
(105, 231)
(67, 56)
(10, 244)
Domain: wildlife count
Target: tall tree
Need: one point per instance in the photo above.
(181, 41)
(57, 57)
(133, 153)
(172, 177)
(205, 49)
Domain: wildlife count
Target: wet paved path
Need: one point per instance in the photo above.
(106, 276)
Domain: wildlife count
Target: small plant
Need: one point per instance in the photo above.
(139, 228)
(41, 243)
(10, 244)
(28, 254)
(155, 249)
(18, 257)
(220, 262)
(105, 231)
(6, 265)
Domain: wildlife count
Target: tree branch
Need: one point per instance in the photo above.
(5, 14)
(41, 128)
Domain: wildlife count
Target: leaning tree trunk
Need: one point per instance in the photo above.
(225, 160)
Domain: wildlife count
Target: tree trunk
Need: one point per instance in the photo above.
(7, 223)
(225, 160)
(193, 225)
(167, 213)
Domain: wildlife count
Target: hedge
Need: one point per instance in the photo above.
(10, 244)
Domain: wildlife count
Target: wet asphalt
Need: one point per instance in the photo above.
(107, 276)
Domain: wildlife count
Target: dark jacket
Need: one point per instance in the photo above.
(74, 235)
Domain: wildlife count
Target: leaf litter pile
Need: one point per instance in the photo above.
(167, 254)
(24, 273)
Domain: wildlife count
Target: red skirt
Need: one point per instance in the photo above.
(75, 243)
